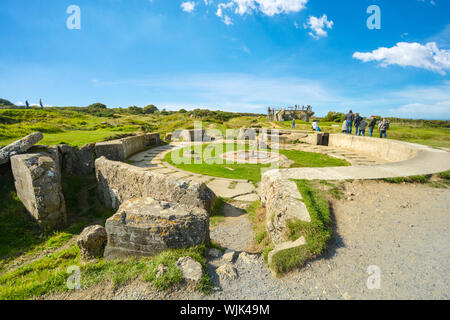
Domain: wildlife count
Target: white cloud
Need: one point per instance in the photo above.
(428, 57)
(188, 6)
(267, 7)
(225, 18)
(318, 26)
(431, 2)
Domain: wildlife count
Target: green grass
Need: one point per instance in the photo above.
(445, 175)
(440, 180)
(62, 124)
(49, 274)
(41, 258)
(411, 179)
(251, 172)
(336, 191)
(317, 232)
(21, 237)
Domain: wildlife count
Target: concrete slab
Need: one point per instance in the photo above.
(248, 197)
(179, 175)
(222, 188)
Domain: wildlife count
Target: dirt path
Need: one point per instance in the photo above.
(401, 229)
(235, 233)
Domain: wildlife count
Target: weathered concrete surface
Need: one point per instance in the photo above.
(38, 185)
(77, 161)
(190, 135)
(121, 149)
(283, 202)
(284, 246)
(391, 150)
(92, 242)
(119, 182)
(417, 160)
(19, 146)
(146, 227)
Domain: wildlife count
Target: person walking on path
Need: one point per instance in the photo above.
(349, 117)
(362, 127)
(358, 119)
(372, 125)
(384, 127)
(344, 126)
(293, 124)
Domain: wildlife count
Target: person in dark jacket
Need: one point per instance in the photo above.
(358, 120)
(349, 117)
(372, 125)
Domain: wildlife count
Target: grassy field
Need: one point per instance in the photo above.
(77, 128)
(213, 165)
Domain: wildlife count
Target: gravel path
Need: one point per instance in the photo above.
(402, 229)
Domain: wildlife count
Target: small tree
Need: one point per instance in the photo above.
(135, 110)
(97, 105)
(150, 109)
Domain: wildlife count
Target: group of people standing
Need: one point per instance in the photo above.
(361, 124)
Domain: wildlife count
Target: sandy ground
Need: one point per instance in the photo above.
(402, 230)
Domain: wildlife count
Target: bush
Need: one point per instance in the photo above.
(150, 109)
(97, 105)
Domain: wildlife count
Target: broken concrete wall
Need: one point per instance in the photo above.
(20, 146)
(146, 227)
(283, 202)
(120, 150)
(38, 185)
(119, 182)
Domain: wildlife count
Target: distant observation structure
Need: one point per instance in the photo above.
(290, 113)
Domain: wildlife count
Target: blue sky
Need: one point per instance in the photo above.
(235, 55)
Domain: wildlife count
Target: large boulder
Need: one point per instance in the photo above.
(146, 227)
(19, 146)
(92, 242)
(119, 182)
(38, 185)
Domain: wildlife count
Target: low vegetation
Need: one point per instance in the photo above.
(34, 262)
(317, 232)
(217, 215)
(440, 180)
(80, 125)
(48, 275)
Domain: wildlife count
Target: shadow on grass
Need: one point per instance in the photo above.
(19, 232)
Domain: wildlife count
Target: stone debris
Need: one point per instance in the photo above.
(20, 146)
(161, 270)
(229, 256)
(227, 272)
(215, 253)
(248, 258)
(92, 242)
(192, 270)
